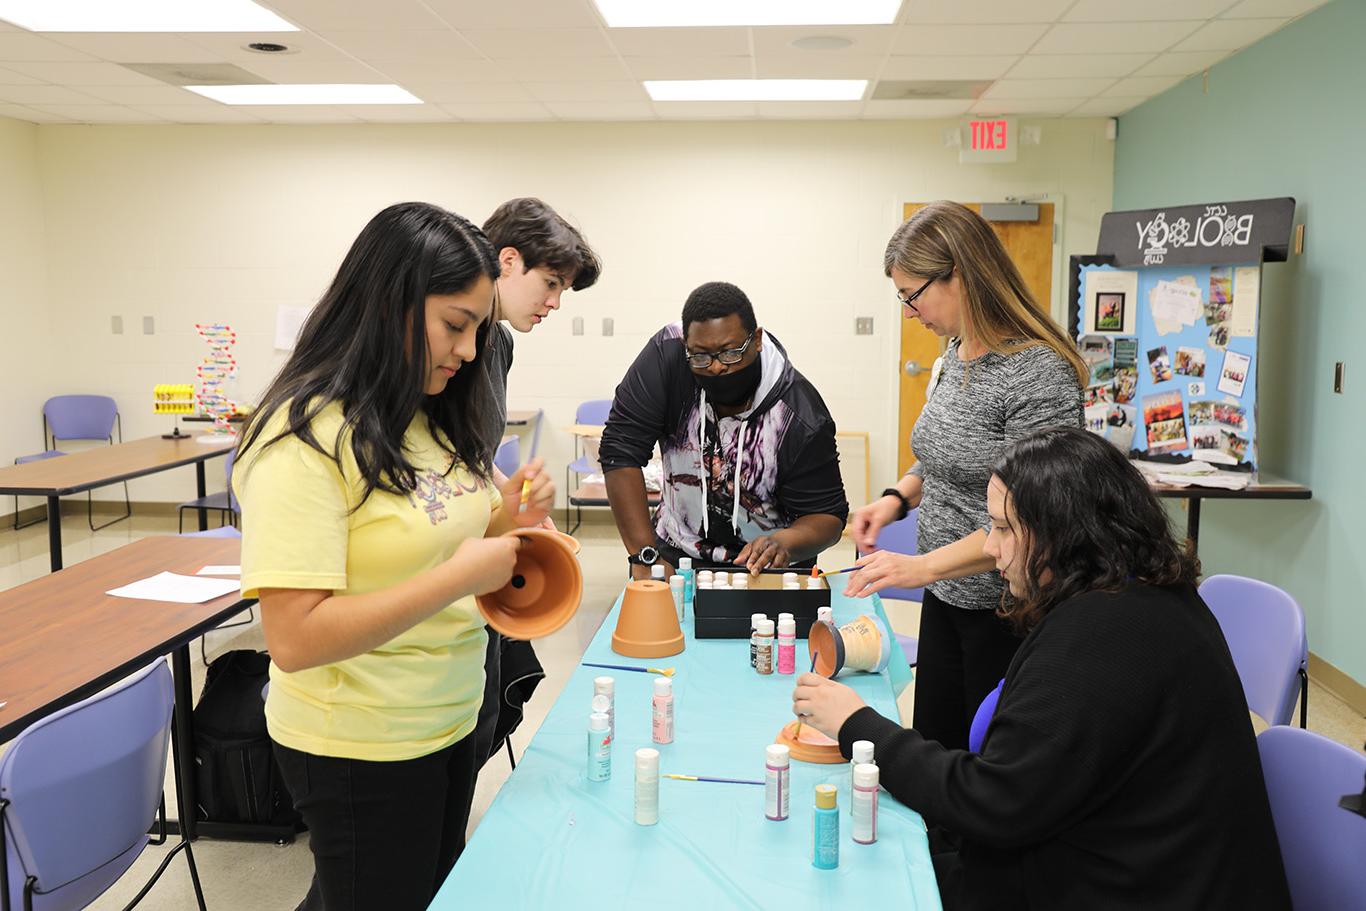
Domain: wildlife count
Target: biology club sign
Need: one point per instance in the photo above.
(1231, 232)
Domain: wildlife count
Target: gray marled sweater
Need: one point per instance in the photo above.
(962, 431)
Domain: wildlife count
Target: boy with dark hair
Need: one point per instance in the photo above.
(751, 473)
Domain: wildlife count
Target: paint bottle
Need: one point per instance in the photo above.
(825, 615)
(676, 588)
(787, 645)
(689, 582)
(647, 787)
(599, 747)
(662, 713)
(776, 772)
(825, 854)
(860, 752)
(815, 583)
(789, 578)
(606, 687)
(721, 578)
(863, 811)
(740, 581)
(763, 647)
(706, 575)
(657, 572)
(754, 637)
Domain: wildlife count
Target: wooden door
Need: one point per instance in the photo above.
(1030, 245)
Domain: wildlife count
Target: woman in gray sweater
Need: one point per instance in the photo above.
(1008, 370)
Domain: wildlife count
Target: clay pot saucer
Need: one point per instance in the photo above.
(809, 746)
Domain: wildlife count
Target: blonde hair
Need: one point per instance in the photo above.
(998, 309)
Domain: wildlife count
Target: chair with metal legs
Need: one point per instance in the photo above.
(78, 417)
(592, 413)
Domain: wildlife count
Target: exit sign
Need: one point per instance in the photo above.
(989, 140)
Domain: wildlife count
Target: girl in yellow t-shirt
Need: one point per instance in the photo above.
(370, 522)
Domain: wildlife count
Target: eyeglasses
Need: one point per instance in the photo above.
(909, 300)
(702, 360)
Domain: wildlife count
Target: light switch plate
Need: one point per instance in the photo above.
(576, 326)
(116, 325)
(863, 325)
(607, 325)
(149, 325)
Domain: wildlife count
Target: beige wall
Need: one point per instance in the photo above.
(203, 223)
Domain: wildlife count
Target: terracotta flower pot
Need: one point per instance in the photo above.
(545, 590)
(647, 626)
(862, 644)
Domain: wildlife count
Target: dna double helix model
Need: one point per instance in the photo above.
(214, 371)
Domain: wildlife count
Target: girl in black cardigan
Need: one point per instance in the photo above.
(1120, 768)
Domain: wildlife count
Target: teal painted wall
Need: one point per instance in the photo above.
(1287, 117)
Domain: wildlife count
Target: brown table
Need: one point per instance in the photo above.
(64, 639)
(1265, 487)
(101, 466)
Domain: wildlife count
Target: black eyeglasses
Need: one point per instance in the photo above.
(909, 300)
(702, 360)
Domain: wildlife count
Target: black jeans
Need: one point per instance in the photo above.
(383, 834)
(963, 655)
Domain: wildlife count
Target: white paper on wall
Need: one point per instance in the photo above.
(288, 322)
(1247, 290)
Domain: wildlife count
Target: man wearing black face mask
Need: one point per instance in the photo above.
(751, 473)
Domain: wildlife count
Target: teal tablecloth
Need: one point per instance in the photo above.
(554, 840)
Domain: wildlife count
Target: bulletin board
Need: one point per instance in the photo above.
(1166, 316)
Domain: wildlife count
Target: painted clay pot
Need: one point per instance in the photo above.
(862, 644)
(544, 592)
(647, 626)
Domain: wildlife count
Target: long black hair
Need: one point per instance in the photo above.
(365, 345)
(1090, 522)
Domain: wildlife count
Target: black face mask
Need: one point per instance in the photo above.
(731, 388)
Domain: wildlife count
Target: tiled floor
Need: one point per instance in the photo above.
(267, 877)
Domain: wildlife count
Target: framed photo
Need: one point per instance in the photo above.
(1110, 311)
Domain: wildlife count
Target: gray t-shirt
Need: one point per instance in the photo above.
(499, 355)
(962, 431)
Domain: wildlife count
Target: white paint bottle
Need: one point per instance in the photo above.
(647, 786)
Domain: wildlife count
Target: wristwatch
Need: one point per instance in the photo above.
(647, 556)
(905, 503)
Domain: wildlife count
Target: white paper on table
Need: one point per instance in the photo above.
(288, 322)
(225, 569)
(1247, 291)
(176, 588)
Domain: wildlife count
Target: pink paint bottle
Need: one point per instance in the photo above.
(787, 644)
(662, 715)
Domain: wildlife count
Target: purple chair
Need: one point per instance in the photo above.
(508, 457)
(595, 413)
(78, 417)
(79, 791)
(1264, 628)
(223, 502)
(982, 720)
(1323, 845)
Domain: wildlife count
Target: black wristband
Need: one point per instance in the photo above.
(905, 503)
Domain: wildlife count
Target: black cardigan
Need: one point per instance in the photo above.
(1119, 771)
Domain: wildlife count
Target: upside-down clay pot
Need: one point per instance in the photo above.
(647, 626)
(806, 744)
(862, 644)
(544, 592)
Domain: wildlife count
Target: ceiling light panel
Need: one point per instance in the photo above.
(142, 16)
(336, 93)
(677, 13)
(757, 89)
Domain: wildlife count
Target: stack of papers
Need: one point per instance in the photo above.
(177, 588)
(1199, 474)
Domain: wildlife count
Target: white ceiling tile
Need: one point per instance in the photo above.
(400, 113)
(405, 71)
(499, 112)
(28, 46)
(464, 14)
(232, 46)
(690, 67)
(1271, 9)
(43, 94)
(10, 77)
(1230, 34)
(918, 67)
(134, 47)
(99, 113)
(1047, 88)
(1000, 11)
(306, 68)
(584, 69)
(981, 40)
(1147, 86)
(540, 43)
(602, 110)
(1062, 66)
(298, 113)
(139, 96)
(587, 91)
(1147, 11)
(324, 15)
(917, 109)
(381, 45)
(1107, 107)
(476, 92)
(706, 110)
(1025, 106)
(1106, 37)
(96, 73)
(1183, 64)
(866, 40)
(834, 68)
(810, 110)
(199, 113)
(680, 42)
(19, 112)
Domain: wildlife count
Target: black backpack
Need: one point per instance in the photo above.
(235, 767)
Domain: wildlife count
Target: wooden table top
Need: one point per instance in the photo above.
(596, 495)
(101, 465)
(518, 418)
(585, 430)
(62, 638)
(1263, 487)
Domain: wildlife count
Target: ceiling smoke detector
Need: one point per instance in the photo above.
(268, 47)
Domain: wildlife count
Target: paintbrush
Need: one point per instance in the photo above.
(717, 780)
(817, 572)
(662, 671)
(526, 492)
(798, 732)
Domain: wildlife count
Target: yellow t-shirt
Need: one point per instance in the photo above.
(418, 693)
